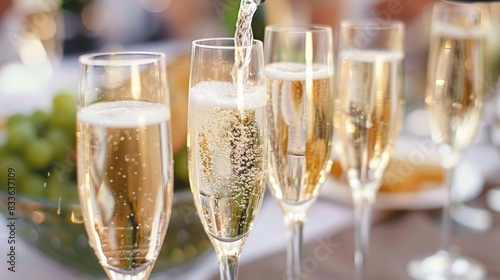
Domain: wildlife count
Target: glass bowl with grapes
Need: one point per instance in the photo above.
(39, 148)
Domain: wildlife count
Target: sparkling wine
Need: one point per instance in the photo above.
(455, 86)
(367, 120)
(243, 36)
(227, 157)
(300, 120)
(125, 181)
(243, 39)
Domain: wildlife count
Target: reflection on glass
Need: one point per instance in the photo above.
(368, 114)
(227, 147)
(125, 163)
(454, 98)
(299, 74)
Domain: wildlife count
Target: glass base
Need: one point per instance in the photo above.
(442, 266)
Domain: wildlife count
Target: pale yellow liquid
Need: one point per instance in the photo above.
(455, 86)
(227, 157)
(369, 113)
(300, 130)
(125, 181)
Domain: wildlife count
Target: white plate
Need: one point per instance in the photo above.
(468, 182)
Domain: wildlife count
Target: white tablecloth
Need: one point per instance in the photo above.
(267, 237)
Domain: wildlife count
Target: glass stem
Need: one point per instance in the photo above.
(294, 251)
(448, 223)
(228, 267)
(362, 216)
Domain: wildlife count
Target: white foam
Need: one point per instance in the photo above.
(458, 32)
(291, 71)
(125, 113)
(223, 94)
(371, 55)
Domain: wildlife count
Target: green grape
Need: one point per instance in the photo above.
(32, 185)
(64, 118)
(3, 151)
(71, 125)
(18, 166)
(64, 100)
(55, 188)
(39, 153)
(64, 113)
(59, 141)
(41, 119)
(19, 135)
(181, 165)
(16, 119)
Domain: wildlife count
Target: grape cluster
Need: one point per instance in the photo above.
(41, 148)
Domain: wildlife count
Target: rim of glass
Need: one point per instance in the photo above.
(120, 58)
(451, 7)
(204, 43)
(298, 28)
(372, 24)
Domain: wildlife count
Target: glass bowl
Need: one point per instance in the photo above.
(56, 229)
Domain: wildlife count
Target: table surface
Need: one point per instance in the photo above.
(397, 237)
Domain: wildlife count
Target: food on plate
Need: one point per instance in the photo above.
(403, 175)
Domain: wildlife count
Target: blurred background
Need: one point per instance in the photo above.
(36, 34)
(40, 41)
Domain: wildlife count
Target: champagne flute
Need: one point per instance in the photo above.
(368, 114)
(299, 73)
(454, 99)
(125, 162)
(35, 33)
(227, 147)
